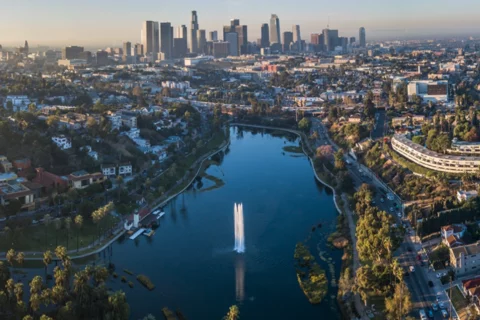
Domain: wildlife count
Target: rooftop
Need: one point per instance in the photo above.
(467, 250)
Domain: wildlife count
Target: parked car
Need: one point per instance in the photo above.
(430, 313)
(423, 315)
(434, 305)
(445, 314)
(382, 200)
(412, 269)
(399, 214)
(441, 305)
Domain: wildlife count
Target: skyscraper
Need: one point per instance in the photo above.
(201, 41)
(72, 52)
(265, 40)
(242, 39)
(287, 40)
(297, 40)
(213, 36)
(362, 37)
(181, 32)
(234, 23)
(139, 50)
(352, 40)
(150, 38)
(232, 39)
(166, 39)
(127, 52)
(275, 30)
(193, 33)
(331, 39)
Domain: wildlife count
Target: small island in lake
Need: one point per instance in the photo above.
(311, 277)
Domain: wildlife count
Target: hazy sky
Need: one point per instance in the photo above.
(110, 22)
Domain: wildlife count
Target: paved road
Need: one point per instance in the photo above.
(379, 129)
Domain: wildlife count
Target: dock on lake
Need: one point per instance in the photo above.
(136, 234)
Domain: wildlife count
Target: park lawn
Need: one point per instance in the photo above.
(42, 238)
(293, 149)
(459, 302)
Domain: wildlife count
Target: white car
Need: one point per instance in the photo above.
(412, 269)
(381, 200)
(441, 305)
(439, 275)
(445, 314)
(399, 214)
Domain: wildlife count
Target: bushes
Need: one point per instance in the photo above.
(144, 280)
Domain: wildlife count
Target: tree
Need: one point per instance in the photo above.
(400, 304)
(20, 258)
(304, 124)
(47, 259)
(52, 121)
(233, 313)
(418, 140)
(324, 151)
(339, 162)
(11, 256)
(78, 223)
(118, 306)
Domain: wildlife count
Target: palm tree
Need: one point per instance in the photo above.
(46, 220)
(233, 313)
(47, 259)
(68, 224)
(20, 258)
(18, 290)
(118, 306)
(79, 223)
(11, 256)
(10, 287)
(35, 291)
(119, 181)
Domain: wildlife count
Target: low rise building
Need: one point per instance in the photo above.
(125, 169)
(62, 142)
(429, 90)
(5, 164)
(464, 195)
(13, 190)
(109, 170)
(82, 179)
(465, 259)
(464, 147)
(8, 176)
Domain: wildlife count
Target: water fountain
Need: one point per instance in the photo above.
(239, 228)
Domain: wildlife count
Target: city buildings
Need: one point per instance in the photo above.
(265, 36)
(213, 35)
(232, 39)
(433, 160)
(72, 52)
(287, 40)
(193, 33)
(297, 40)
(127, 52)
(465, 259)
(201, 41)
(275, 41)
(150, 38)
(242, 34)
(331, 39)
(429, 90)
(362, 37)
(166, 40)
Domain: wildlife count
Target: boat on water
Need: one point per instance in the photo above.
(156, 212)
(149, 232)
(161, 215)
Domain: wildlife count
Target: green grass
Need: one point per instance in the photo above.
(42, 238)
(459, 302)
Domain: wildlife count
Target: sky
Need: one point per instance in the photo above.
(106, 23)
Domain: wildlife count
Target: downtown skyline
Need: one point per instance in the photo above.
(116, 25)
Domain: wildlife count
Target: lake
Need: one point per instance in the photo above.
(191, 260)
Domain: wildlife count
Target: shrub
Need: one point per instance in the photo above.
(143, 279)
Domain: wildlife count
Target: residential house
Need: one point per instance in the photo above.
(160, 152)
(464, 195)
(82, 179)
(129, 119)
(356, 118)
(457, 230)
(22, 164)
(5, 164)
(116, 121)
(125, 169)
(50, 181)
(471, 288)
(13, 190)
(465, 259)
(109, 170)
(62, 142)
(19, 103)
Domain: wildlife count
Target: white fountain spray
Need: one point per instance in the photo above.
(239, 228)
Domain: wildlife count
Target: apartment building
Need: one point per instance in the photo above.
(465, 259)
(62, 142)
(16, 191)
(82, 179)
(433, 160)
(464, 147)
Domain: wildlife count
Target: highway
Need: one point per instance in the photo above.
(422, 294)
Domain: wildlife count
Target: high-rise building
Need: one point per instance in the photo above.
(232, 39)
(343, 41)
(331, 39)
(297, 40)
(201, 41)
(179, 47)
(181, 32)
(127, 52)
(242, 39)
(287, 40)
(150, 38)
(166, 40)
(102, 58)
(352, 40)
(275, 29)
(72, 52)
(138, 50)
(265, 40)
(362, 37)
(193, 33)
(220, 49)
(25, 48)
(213, 35)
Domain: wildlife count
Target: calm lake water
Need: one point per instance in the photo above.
(191, 261)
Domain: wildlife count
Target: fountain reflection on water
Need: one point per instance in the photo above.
(239, 278)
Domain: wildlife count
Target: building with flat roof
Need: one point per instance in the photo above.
(13, 190)
(433, 160)
(82, 179)
(429, 90)
(465, 259)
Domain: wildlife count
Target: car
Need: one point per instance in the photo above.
(423, 315)
(430, 313)
(444, 314)
(374, 202)
(430, 284)
(412, 269)
(382, 200)
(399, 214)
(441, 305)
(391, 209)
(438, 275)
(434, 306)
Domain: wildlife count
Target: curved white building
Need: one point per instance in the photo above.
(433, 160)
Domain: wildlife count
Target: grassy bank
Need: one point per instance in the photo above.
(311, 277)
